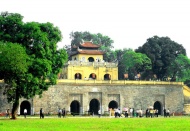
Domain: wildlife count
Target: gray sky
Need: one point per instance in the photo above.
(128, 22)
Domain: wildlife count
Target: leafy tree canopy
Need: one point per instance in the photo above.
(40, 41)
(78, 37)
(121, 66)
(162, 51)
(180, 68)
(136, 63)
(13, 60)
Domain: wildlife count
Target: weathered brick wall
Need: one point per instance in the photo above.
(134, 96)
(3, 101)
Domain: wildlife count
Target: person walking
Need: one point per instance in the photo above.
(116, 112)
(140, 113)
(25, 112)
(156, 112)
(131, 112)
(110, 111)
(147, 113)
(126, 113)
(168, 112)
(151, 112)
(59, 112)
(99, 113)
(165, 115)
(63, 112)
(7, 113)
(41, 113)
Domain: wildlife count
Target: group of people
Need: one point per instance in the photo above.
(41, 113)
(166, 112)
(132, 113)
(61, 112)
(117, 112)
(150, 112)
(127, 113)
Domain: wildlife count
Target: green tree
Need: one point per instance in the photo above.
(13, 61)
(162, 51)
(121, 66)
(179, 69)
(135, 63)
(78, 37)
(40, 41)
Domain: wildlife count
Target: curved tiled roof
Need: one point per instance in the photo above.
(89, 44)
(86, 48)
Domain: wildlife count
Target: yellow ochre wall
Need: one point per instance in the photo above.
(186, 92)
(86, 71)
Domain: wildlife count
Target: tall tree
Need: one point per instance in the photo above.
(135, 63)
(162, 51)
(121, 66)
(40, 41)
(14, 63)
(179, 69)
(78, 37)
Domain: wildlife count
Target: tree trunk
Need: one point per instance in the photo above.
(15, 107)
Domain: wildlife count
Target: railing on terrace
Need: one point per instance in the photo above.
(95, 64)
(118, 82)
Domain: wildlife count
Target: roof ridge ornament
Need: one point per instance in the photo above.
(82, 42)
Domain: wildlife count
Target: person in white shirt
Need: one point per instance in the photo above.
(168, 112)
(99, 113)
(25, 112)
(119, 113)
(131, 112)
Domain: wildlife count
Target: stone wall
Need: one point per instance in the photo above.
(131, 96)
(3, 101)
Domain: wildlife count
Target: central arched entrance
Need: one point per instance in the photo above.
(75, 108)
(25, 105)
(158, 106)
(113, 104)
(94, 106)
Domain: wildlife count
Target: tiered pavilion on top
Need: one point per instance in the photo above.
(87, 63)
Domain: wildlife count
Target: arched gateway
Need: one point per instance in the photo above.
(75, 107)
(25, 105)
(158, 106)
(94, 106)
(113, 104)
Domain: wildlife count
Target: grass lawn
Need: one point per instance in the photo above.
(95, 124)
